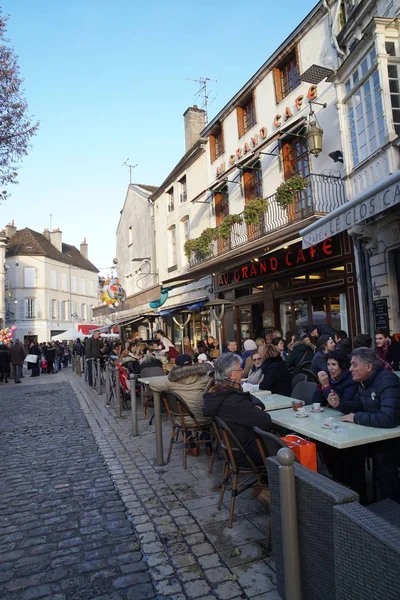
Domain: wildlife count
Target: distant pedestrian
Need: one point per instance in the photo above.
(17, 357)
(4, 362)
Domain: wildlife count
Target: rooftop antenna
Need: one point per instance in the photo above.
(130, 167)
(51, 216)
(204, 93)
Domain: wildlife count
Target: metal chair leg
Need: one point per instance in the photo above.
(233, 499)
(185, 449)
(225, 478)
(171, 442)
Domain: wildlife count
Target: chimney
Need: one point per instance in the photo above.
(195, 121)
(46, 234)
(84, 249)
(56, 239)
(10, 229)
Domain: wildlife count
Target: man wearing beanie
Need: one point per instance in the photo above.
(325, 344)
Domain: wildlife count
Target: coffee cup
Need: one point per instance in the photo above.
(297, 404)
(328, 422)
(316, 405)
(301, 411)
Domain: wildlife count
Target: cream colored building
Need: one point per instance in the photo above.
(49, 285)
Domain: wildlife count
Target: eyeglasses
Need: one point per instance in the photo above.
(237, 370)
(257, 358)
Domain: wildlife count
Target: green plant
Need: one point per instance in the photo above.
(286, 193)
(201, 246)
(189, 247)
(254, 211)
(229, 221)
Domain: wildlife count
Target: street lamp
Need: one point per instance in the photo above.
(214, 305)
(314, 132)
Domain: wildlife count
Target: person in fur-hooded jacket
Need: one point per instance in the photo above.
(189, 382)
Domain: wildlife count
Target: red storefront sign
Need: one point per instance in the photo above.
(279, 262)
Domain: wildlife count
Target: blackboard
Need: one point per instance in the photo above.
(381, 314)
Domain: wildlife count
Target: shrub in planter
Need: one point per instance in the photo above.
(229, 221)
(254, 211)
(286, 193)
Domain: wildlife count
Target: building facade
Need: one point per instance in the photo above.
(49, 285)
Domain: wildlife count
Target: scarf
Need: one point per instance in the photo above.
(382, 354)
(223, 386)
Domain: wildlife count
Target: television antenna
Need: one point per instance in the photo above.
(204, 93)
(130, 167)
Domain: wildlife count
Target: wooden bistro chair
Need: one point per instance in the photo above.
(232, 448)
(184, 424)
(147, 393)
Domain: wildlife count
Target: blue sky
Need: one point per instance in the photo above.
(107, 80)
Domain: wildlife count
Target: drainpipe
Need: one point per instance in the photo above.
(153, 243)
(332, 25)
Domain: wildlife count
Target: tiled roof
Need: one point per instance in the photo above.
(148, 188)
(32, 243)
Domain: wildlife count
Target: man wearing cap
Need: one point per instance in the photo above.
(189, 381)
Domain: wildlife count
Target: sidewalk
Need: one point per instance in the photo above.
(189, 548)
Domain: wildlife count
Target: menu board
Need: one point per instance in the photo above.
(381, 314)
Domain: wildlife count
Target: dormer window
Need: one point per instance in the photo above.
(216, 143)
(246, 115)
(286, 76)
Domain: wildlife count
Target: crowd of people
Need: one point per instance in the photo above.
(40, 359)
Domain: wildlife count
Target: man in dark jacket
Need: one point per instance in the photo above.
(276, 376)
(17, 357)
(4, 362)
(377, 404)
(92, 352)
(343, 342)
(301, 355)
(240, 410)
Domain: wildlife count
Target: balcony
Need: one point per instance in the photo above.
(323, 194)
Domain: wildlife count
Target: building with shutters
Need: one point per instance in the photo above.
(49, 285)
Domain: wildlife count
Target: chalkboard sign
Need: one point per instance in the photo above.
(381, 314)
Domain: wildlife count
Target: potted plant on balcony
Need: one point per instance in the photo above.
(224, 230)
(201, 246)
(286, 193)
(254, 211)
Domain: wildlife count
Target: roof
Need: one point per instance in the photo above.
(32, 243)
(148, 188)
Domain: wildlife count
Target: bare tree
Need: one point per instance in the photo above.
(16, 125)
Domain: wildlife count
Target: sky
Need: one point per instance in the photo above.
(108, 81)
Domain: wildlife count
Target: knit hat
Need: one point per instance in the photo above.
(183, 360)
(202, 357)
(304, 335)
(323, 339)
(250, 345)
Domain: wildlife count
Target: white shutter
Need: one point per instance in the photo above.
(59, 316)
(54, 280)
(22, 309)
(50, 310)
(38, 314)
(29, 277)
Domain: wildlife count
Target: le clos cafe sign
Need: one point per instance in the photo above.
(257, 138)
(280, 262)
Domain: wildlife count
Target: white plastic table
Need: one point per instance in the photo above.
(311, 426)
(273, 401)
(397, 373)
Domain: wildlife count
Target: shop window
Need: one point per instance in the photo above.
(216, 143)
(286, 76)
(242, 292)
(246, 115)
(335, 271)
(257, 289)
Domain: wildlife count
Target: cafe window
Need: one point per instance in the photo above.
(286, 76)
(314, 309)
(216, 143)
(246, 115)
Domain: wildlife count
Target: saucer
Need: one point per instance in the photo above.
(326, 426)
(317, 410)
(299, 416)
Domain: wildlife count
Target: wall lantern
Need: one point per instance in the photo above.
(314, 132)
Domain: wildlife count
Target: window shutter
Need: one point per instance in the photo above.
(22, 309)
(213, 152)
(278, 85)
(240, 121)
(38, 314)
(59, 316)
(50, 310)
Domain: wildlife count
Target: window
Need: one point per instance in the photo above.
(53, 309)
(130, 236)
(246, 115)
(365, 109)
(74, 312)
(185, 235)
(394, 86)
(183, 195)
(83, 287)
(29, 308)
(216, 143)
(53, 280)
(83, 312)
(73, 284)
(286, 76)
(170, 194)
(64, 311)
(64, 284)
(172, 247)
(29, 277)
(252, 183)
(221, 204)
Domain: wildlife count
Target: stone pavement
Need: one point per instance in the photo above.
(185, 540)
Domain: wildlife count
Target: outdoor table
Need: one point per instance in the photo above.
(273, 401)
(157, 421)
(397, 373)
(311, 426)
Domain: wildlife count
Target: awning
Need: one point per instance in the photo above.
(172, 309)
(85, 329)
(130, 320)
(368, 204)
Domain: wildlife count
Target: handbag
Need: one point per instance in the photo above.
(31, 358)
(305, 451)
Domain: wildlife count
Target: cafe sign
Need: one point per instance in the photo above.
(276, 263)
(262, 134)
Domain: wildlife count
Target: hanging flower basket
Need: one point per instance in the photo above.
(287, 192)
(254, 211)
(201, 246)
(229, 221)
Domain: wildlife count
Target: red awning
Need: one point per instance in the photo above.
(85, 329)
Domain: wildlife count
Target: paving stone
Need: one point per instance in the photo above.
(196, 589)
(228, 590)
(202, 549)
(209, 561)
(255, 578)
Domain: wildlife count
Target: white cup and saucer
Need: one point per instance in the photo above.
(327, 424)
(316, 407)
(301, 413)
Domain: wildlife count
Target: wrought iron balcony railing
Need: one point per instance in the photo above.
(323, 194)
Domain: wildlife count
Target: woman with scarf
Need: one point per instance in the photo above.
(387, 350)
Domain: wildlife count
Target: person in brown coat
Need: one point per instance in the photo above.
(17, 357)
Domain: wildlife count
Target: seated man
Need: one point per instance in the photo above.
(189, 381)
(240, 410)
(376, 404)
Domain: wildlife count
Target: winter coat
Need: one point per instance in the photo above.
(78, 348)
(319, 362)
(377, 402)
(17, 354)
(344, 386)
(93, 347)
(276, 376)
(190, 384)
(4, 357)
(50, 354)
(344, 345)
(393, 357)
(254, 376)
(239, 410)
(324, 330)
(301, 353)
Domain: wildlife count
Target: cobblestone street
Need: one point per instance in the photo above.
(66, 517)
